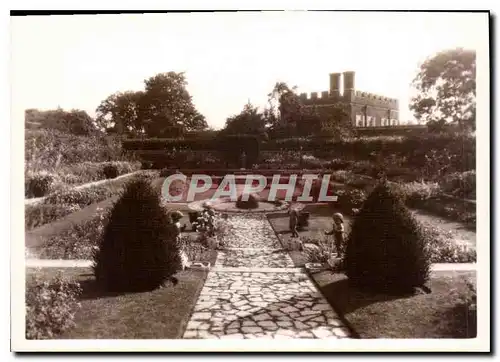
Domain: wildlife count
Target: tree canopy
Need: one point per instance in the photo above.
(296, 119)
(248, 121)
(163, 109)
(446, 86)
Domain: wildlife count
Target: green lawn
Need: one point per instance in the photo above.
(441, 314)
(160, 314)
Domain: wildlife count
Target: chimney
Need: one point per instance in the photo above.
(335, 84)
(349, 84)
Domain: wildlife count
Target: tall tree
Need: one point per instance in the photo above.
(120, 113)
(285, 109)
(248, 121)
(333, 121)
(446, 86)
(167, 106)
(163, 109)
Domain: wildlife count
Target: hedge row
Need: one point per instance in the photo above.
(376, 143)
(459, 150)
(49, 149)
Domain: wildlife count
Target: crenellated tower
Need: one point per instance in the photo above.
(366, 109)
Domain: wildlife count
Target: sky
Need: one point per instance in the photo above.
(228, 58)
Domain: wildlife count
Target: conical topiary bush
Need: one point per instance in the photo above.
(386, 248)
(138, 250)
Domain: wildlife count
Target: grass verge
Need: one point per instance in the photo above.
(444, 313)
(160, 314)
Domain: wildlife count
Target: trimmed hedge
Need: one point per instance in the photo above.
(387, 250)
(169, 144)
(138, 250)
(428, 152)
(233, 146)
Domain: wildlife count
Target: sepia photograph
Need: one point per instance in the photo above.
(226, 181)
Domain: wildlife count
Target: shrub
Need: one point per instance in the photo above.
(138, 250)
(415, 192)
(460, 184)
(146, 165)
(49, 149)
(195, 251)
(50, 307)
(251, 203)
(110, 171)
(444, 248)
(40, 214)
(342, 175)
(165, 172)
(386, 249)
(38, 184)
(321, 253)
(311, 162)
(349, 199)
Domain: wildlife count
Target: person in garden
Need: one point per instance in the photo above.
(176, 217)
(293, 223)
(337, 232)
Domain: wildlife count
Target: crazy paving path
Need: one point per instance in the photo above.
(254, 291)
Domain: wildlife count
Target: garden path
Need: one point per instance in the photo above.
(254, 291)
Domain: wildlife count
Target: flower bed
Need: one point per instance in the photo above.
(444, 248)
(426, 196)
(65, 202)
(94, 171)
(78, 241)
(43, 183)
(460, 184)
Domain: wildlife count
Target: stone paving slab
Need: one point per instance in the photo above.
(254, 258)
(250, 231)
(249, 305)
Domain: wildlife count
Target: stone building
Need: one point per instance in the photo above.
(366, 109)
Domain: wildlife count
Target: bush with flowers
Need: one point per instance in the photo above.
(50, 306)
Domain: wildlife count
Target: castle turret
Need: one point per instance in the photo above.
(349, 84)
(335, 84)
